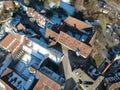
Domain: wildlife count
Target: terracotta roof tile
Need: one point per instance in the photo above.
(93, 38)
(79, 24)
(18, 36)
(52, 43)
(73, 44)
(40, 20)
(7, 71)
(7, 4)
(37, 15)
(30, 12)
(17, 51)
(50, 33)
(7, 87)
(7, 40)
(54, 35)
(14, 45)
(45, 81)
(20, 26)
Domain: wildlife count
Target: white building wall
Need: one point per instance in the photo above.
(67, 1)
(35, 49)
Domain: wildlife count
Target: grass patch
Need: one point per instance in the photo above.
(98, 59)
(79, 88)
(103, 21)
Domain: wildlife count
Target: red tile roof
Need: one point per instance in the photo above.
(20, 26)
(45, 81)
(93, 38)
(18, 36)
(37, 15)
(40, 20)
(14, 44)
(8, 4)
(50, 33)
(7, 71)
(7, 40)
(7, 87)
(79, 24)
(68, 41)
(30, 12)
(74, 44)
(52, 43)
(10, 42)
(54, 35)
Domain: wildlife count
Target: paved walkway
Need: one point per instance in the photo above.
(66, 63)
(70, 83)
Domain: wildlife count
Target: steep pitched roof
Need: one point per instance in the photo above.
(4, 86)
(8, 4)
(14, 43)
(45, 81)
(74, 44)
(93, 38)
(50, 33)
(30, 12)
(7, 40)
(75, 22)
(54, 35)
(40, 20)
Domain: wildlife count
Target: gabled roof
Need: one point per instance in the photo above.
(8, 4)
(4, 86)
(69, 42)
(75, 22)
(74, 44)
(37, 15)
(45, 81)
(14, 43)
(7, 40)
(40, 20)
(93, 38)
(50, 33)
(54, 35)
(30, 12)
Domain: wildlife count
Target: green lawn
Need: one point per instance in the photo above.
(98, 59)
(79, 88)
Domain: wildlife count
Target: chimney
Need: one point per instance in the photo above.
(75, 26)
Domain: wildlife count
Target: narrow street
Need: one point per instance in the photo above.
(66, 63)
(70, 83)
